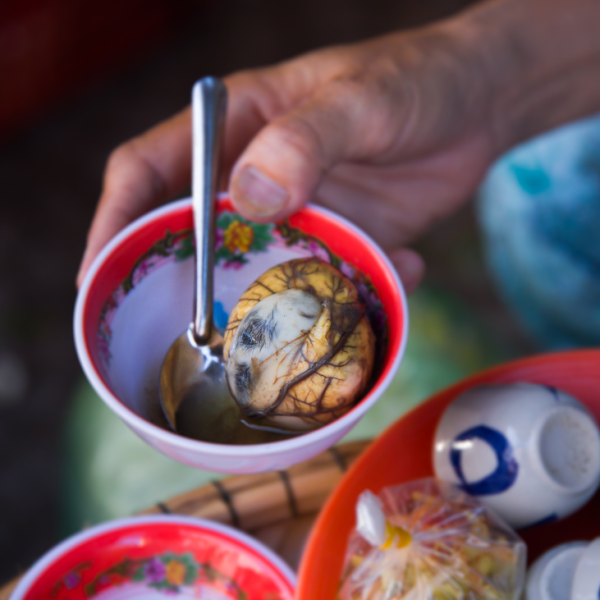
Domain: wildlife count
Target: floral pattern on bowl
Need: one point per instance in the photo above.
(171, 573)
(156, 558)
(236, 236)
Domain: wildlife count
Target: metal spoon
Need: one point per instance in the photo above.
(193, 387)
(193, 372)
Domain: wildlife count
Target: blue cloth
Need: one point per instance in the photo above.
(539, 210)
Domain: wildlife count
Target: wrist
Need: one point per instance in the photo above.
(539, 60)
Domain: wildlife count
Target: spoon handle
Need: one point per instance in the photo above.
(209, 104)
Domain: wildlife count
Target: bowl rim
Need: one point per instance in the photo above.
(45, 561)
(343, 423)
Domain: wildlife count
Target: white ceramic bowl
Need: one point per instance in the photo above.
(158, 557)
(530, 452)
(586, 582)
(551, 576)
(137, 298)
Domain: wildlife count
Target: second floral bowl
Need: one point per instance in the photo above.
(137, 298)
(158, 557)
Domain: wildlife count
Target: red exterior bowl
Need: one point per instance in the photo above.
(137, 299)
(404, 453)
(158, 557)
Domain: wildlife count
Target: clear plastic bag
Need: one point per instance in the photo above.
(428, 540)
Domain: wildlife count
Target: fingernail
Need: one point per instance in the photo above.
(258, 192)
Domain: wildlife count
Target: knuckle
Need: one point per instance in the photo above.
(259, 88)
(299, 133)
(249, 79)
(128, 168)
(369, 102)
(240, 79)
(350, 86)
(121, 156)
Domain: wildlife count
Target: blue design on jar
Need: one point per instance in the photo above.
(506, 472)
(544, 521)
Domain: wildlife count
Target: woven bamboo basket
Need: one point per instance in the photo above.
(277, 508)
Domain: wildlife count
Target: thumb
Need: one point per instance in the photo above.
(282, 167)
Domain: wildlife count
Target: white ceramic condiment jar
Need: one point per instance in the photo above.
(530, 452)
(551, 576)
(586, 582)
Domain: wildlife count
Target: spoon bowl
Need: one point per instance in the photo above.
(196, 400)
(192, 378)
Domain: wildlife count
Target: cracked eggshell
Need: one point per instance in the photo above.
(299, 348)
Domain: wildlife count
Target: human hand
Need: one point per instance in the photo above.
(386, 133)
(394, 133)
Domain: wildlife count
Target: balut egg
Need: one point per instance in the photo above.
(299, 348)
